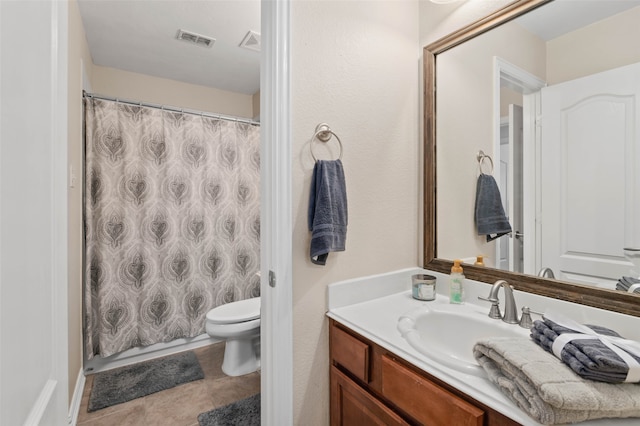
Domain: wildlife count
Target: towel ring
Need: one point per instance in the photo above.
(323, 133)
(481, 157)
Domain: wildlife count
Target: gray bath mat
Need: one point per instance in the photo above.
(245, 412)
(134, 381)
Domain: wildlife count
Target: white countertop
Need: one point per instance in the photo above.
(372, 305)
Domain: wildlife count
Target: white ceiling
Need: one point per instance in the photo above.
(140, 36)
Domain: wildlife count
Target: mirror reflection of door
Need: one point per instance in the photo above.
(515, 207)
(516, 100)
(502, 247)
(510, 248)
(590, 175)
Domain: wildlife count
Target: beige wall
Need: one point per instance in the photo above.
(508, 97)
(255, 99)
(78, 56)
(604, 45)
(438, 20)
(355, 67)
(140, 87)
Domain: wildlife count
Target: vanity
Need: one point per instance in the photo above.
(379, 377)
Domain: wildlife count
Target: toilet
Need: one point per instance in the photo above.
(239, 324)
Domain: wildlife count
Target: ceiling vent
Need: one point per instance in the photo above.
(251, 41)
(196, 39)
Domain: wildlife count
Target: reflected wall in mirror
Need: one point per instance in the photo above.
(550, 91)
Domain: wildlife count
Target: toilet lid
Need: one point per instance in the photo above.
(240, 311)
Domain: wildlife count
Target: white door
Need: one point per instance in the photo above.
(33, 213)
(514, 206)
(591, 176)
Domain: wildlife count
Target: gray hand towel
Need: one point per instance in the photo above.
(589, 358)
(543, 387)
(489, 214)
(327, 210)
(625, 283)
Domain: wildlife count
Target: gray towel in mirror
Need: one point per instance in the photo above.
(327, 214)
(625, 283)
(490, 218)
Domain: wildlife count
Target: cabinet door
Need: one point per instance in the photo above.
(351, 405)
(424, 400)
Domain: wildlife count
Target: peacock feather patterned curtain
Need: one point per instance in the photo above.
(172, 222)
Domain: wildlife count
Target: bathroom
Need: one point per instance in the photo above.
(192, 191)
(334, 48)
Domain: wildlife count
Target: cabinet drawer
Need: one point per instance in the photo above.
(350, 353)
(424, 400)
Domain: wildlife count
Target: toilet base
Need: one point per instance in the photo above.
(241, 356)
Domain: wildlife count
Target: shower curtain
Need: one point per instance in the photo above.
(172, 222)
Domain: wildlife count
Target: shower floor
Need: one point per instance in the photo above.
(178, 406)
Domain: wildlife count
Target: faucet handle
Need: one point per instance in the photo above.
(525, 320)
(494, 312)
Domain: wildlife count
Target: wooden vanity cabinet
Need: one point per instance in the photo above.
(372, 386)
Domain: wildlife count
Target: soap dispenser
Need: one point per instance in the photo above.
(456, 282)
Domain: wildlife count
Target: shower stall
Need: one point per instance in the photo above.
(171, 222)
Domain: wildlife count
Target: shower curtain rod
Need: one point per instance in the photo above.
(170, 108)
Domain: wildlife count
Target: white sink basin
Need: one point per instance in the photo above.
(446, 333)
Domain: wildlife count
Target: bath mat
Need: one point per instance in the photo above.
(144, 378)
(245, 412)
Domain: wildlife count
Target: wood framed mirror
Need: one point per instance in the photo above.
(609, 299)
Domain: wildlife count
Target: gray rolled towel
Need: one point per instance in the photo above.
(327, 214)
(589, 358)
(489, 214)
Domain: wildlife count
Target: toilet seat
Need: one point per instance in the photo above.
(238, 330)
(235, 312)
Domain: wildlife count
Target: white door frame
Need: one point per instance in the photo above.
(528, 84)
(276, 216)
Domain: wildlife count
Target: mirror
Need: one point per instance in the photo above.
(478, 71)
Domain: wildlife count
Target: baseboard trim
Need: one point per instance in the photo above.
(41, 404)
(76, 399)
(131, 356)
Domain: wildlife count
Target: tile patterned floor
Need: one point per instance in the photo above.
(178, 406)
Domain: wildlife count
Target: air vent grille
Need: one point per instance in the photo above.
(251, 41)
(194, 38)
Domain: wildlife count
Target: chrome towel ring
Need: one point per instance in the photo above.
(324, 133)
(481, 157)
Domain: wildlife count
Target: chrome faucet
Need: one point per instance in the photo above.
(546, 273)
(510, 311)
